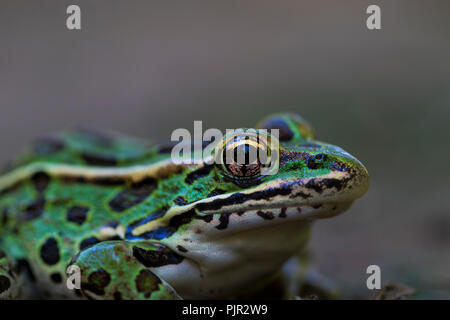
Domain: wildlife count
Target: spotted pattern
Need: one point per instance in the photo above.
(50, 252)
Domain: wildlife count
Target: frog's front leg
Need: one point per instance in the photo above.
(302, 280)
(9, 286)
(112, 270)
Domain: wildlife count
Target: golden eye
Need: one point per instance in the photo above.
(243, 155)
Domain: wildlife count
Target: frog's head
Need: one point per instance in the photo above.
(242, 215)
(311, 179)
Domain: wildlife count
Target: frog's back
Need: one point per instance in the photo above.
(45, 220)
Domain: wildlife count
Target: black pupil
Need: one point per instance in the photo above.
(245, 154)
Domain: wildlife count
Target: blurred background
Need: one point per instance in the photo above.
(148, 67)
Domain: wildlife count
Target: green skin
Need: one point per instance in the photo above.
(141, 227)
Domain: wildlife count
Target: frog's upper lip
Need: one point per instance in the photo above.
(335, 187)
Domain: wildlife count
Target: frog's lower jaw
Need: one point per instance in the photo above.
(221, 263)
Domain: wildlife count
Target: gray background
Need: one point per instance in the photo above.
(148, 67)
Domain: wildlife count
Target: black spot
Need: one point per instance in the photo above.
(5, 284)
(48, 145)
(266, 215)
(5, 215)
(316, 161)
(180, 201)
(2, 254)
(50, 251)
(147, 282)
(77, 214)
(299, 210)
(285, 132)
(134, 195)
(156, 258)
(117, 295)
(197, 174)
(215, 192)
(88, 242)
(99, 160)
(78, 292)
(97, 282)
(40, 181)
(182, 249)
(283, 213)
(224, 220)
(35, 209)
(316, 206)
(56, 277)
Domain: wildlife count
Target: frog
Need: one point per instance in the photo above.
(132, 223)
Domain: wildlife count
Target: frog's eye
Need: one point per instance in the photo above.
(244, 154)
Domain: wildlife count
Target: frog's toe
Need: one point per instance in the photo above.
(109, 270)
(9, 287)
